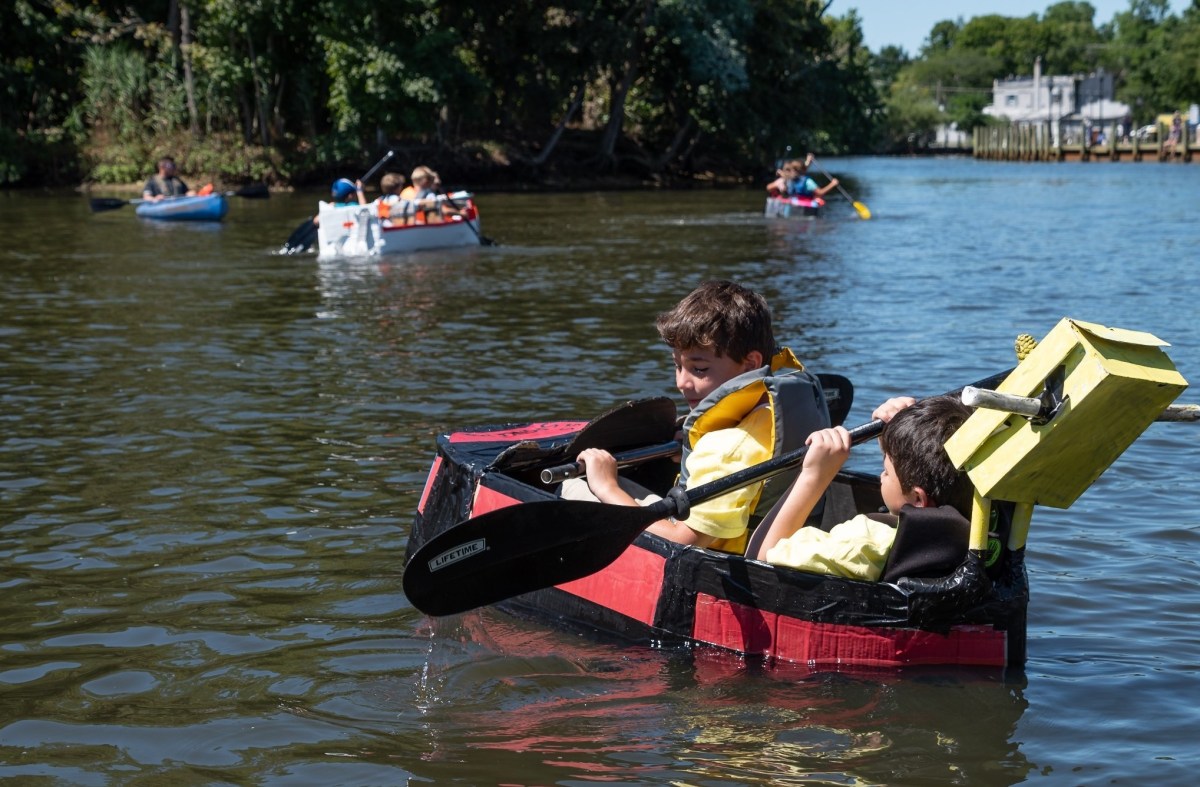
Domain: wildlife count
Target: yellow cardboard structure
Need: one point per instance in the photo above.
(1116, 384)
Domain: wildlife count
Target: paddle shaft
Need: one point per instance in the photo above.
(387, 157)
(254, 191)
(560, 473)
(784, 462)
(483, 239)
(1032, 407)
(679, 505)
(845, 193)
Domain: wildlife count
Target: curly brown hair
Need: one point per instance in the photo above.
(722, 316)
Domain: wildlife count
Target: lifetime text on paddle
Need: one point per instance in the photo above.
(458, 553)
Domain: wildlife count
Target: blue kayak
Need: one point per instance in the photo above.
(211, 207)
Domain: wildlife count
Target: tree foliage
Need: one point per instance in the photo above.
(289, 88)
(648, 86)
(1152, 53)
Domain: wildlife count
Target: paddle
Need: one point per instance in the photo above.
(1036, 409)
(386, 157)
(305, 234)
(484, 240)
(863, 211)
(253, 191)
(302, 238)
(635, 456)
(536, 545)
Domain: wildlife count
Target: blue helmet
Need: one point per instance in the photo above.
(343, 189)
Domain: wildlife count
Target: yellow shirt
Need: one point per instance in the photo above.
(857, 549)
(716, 455)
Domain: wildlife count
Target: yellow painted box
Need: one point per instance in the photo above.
(1117, 382)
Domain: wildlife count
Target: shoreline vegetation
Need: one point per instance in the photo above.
(609, 93)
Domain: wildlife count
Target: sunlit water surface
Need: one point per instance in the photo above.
(212, 454)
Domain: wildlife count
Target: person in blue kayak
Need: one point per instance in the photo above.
(793, 181)
(165, 183)
(750, 401)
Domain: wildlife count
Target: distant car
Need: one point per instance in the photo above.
(1147, 133)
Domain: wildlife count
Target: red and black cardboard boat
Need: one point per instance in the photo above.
(489, 529)
(664, 594)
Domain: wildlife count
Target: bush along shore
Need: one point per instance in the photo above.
(479, 166)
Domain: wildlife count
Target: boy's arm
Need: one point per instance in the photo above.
(828, 187)
(680, 533)
(602, 480)
(827, 452)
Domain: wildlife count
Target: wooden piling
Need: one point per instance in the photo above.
(1040, 142)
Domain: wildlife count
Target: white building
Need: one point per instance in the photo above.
(1069, 100)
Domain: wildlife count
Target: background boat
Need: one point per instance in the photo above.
(211, 207)
(788, 207)
(359, 231)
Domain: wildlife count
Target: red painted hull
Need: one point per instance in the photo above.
(789, 207)
(659, 593)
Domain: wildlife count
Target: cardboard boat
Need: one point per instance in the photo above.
(360, 230)
(1101, 388)
(789, 207)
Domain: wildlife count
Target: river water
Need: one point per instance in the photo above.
(212, 455)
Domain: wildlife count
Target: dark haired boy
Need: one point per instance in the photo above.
(749, 401)
(917, 473)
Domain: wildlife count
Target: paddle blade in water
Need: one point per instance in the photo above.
(254, 191)
(518, 549)
(107, 203)
(302, 238)
(862, 209)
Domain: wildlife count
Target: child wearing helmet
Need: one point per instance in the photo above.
(343, 189)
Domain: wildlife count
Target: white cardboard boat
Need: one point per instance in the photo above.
(359, 230)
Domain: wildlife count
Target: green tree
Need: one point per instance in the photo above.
(1151, 49)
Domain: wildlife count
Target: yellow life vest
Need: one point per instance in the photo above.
(798, 408)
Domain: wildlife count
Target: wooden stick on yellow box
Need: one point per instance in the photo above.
(1115, 383)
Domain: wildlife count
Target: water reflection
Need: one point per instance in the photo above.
(721, 717)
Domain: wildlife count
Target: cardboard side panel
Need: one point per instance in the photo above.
(733, 626)
(517, 433)
(488, 499)
(751, 631)
(433, 472)
(630, 585)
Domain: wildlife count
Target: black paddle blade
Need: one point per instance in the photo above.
(301, 239)
(519, 549)
(839, 396)
(254, 191)
(107, 203)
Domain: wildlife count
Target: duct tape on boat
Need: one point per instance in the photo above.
(460, 552)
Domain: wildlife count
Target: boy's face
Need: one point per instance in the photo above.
(894, 497)
(700, 371)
